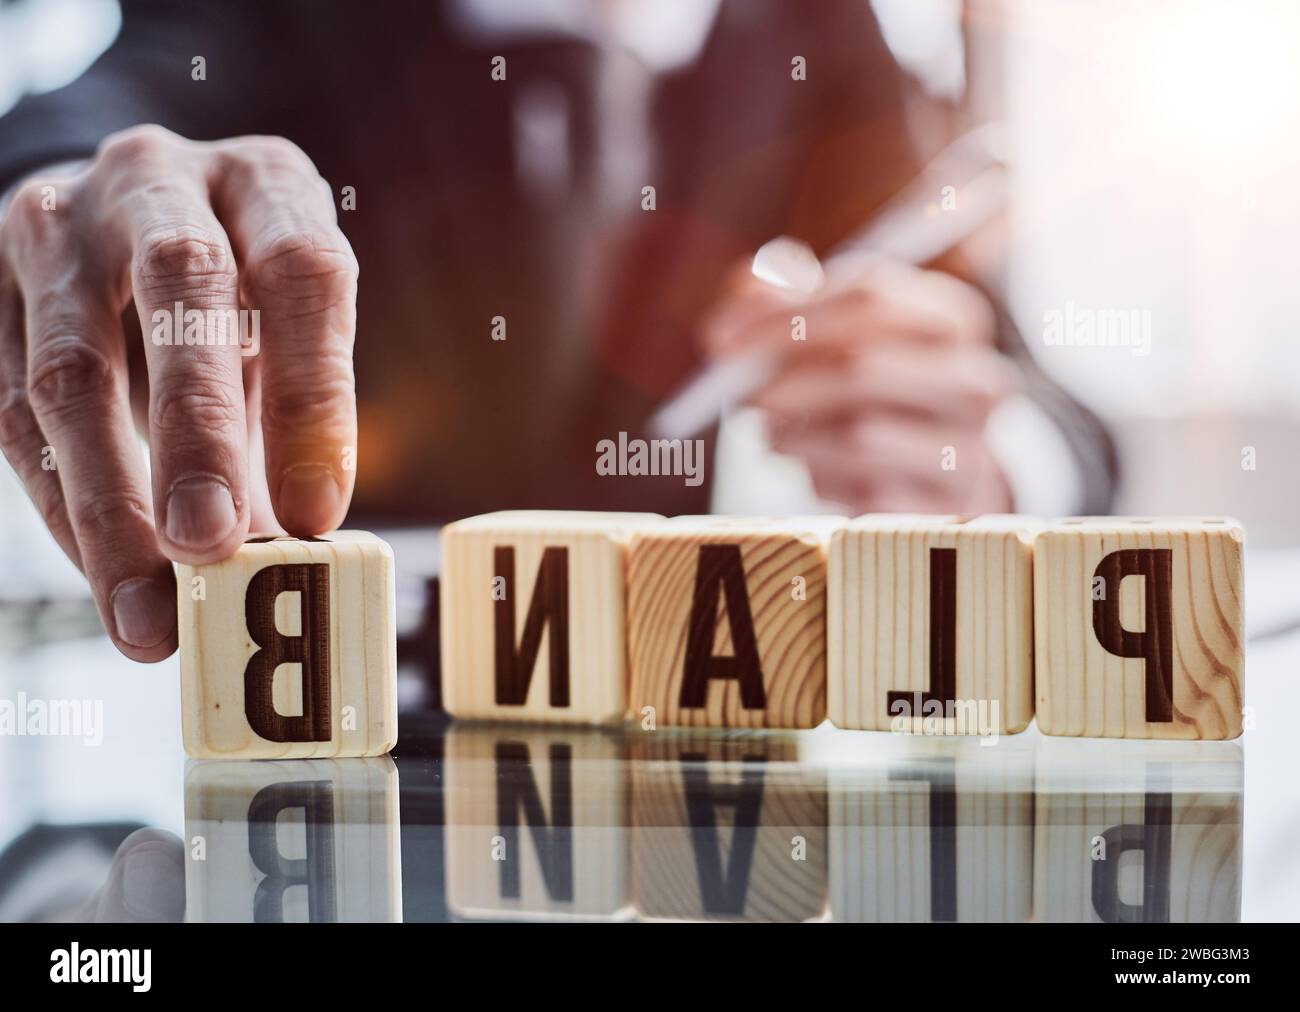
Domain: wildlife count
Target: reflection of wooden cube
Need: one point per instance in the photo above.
(1140, 628)
(726, 828)
(532, 616)
(536, 824)
(1137, 831)
(289, 650)
(727, 622)
(931, 624)
(936, 830)
(313, 840)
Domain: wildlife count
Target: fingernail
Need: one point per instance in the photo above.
(309, 496)
(143, 611)
(200, 513)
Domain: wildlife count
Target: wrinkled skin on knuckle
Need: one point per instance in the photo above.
(67, 375)
(310, 269)
(319, 411)
(198, 410)
(136, 146)
(100, 519)
(185, 262)
(313, 258)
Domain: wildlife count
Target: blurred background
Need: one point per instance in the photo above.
(1152, 203)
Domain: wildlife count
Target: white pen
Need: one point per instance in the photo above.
(906, 229)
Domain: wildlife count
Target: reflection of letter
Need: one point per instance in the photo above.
(723, 890)
(567, 786)
(554, 846)
(1137, 831)
(1155, 643)
(931, 837)
(716, 827)
(720, 568)
(943, 839)
(311, 650)
(549, 607)
(315, 871)
(328, 827)
(1152, 839)
(943, 640)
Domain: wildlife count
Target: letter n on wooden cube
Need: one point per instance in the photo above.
(532, 616)
(727, 622)
(930, 624)
(1139, 626)
(289, 650)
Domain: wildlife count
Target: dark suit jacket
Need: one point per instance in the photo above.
(455, 224)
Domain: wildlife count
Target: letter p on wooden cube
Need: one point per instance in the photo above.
(532, 615)
(289, 650)
(1140, 627)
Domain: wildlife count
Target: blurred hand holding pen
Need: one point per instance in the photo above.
(909, 229)
(856, 375)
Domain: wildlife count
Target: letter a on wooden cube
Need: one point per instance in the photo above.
(727, 622)
(289, 650)
(930, 624)
(532, 616)
(1139, 626)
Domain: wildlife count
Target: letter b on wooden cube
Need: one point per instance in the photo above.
(289, 650)
(1140, 628)
(532, 616)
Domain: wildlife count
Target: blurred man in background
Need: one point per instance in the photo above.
(555, 205)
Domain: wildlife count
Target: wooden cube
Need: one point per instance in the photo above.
(727, 622)
(727, 828)
(313, 840)
(533, 616)
(1137, 831)
(931, 624)
(1139, 627)
(536, 823)
(289, 651)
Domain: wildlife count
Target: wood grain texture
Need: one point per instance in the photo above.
(1138, 831)
(289, 650)
(1174, 627)
(727, 622)
(941, 606)
(524, 593)
(726, 828)
(536, 824)
(314, 840)
(943, 839)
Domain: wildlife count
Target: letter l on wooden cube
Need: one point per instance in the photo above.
(289, 649)
(930, 620)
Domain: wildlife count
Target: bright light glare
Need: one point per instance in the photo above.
(1223, 77)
